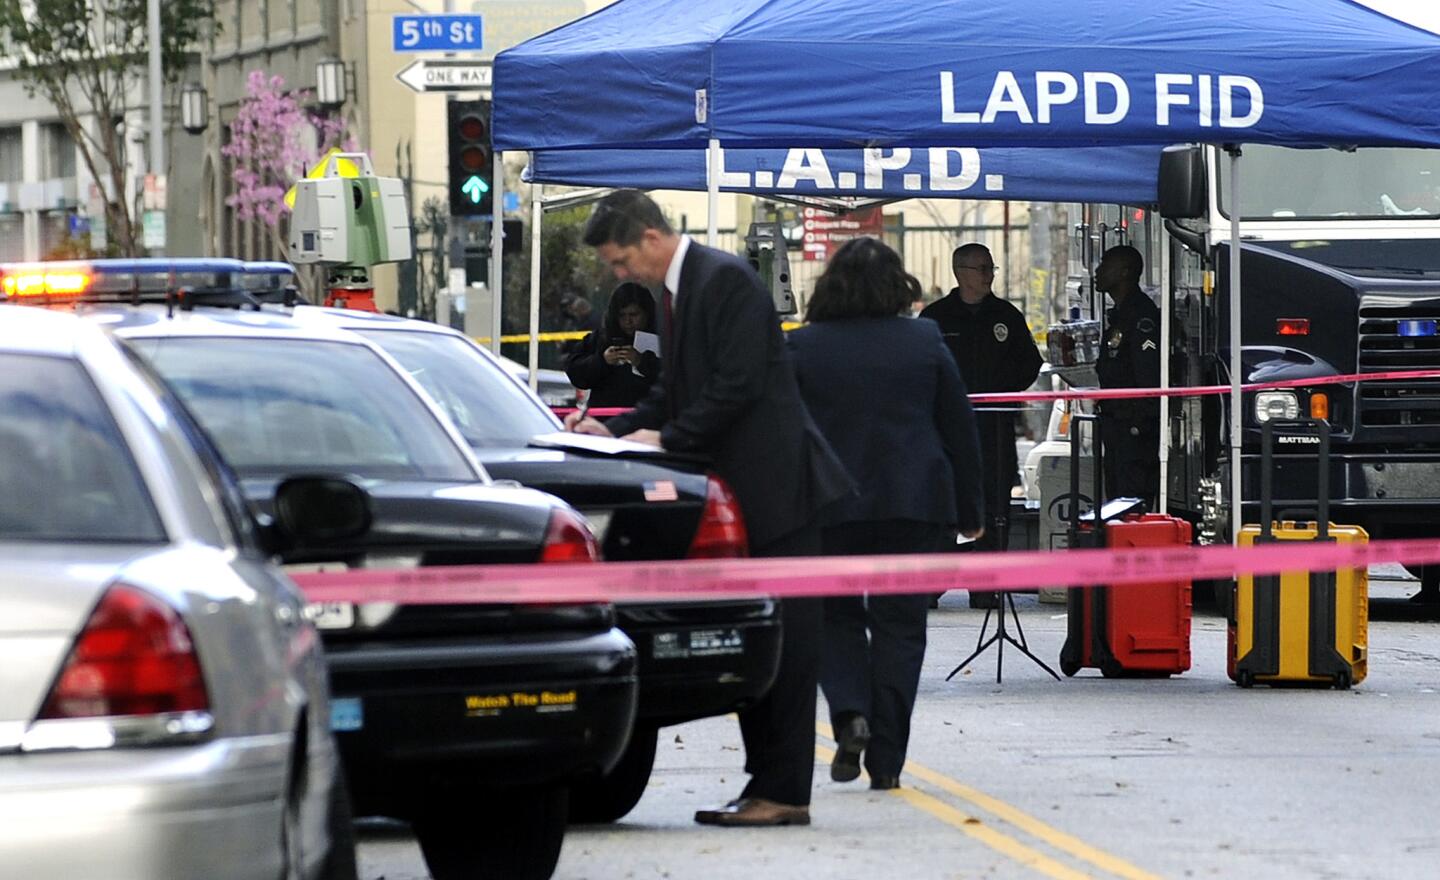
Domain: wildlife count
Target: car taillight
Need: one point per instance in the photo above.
(568, 539)
(721, 534)
(134, 657)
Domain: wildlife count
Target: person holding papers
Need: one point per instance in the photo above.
(727, 390)
(620, 362)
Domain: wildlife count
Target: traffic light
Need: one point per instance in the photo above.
(472, 162)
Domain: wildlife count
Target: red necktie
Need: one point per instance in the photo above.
(667, 349)
(667, 303)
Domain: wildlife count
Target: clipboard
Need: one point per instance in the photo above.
(592, 444)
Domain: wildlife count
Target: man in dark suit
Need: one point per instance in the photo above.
(727, 390)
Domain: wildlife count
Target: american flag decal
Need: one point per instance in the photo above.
(661, 490)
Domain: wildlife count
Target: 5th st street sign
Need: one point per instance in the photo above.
(446, 75)
(438, 33)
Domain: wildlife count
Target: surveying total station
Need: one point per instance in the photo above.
(349, 222)
(768, 256)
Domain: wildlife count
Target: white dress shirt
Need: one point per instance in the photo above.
(672, 274)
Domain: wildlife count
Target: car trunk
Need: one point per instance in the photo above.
(422, 524)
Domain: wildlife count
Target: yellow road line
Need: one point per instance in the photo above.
(987, 835)
(1024, 821)
(996, 840)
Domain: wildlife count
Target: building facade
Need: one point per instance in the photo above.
(288, 38)
(43, 183)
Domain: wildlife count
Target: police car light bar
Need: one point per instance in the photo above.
(272, 282)
(174, 281)
(269, 267)
(43, 280)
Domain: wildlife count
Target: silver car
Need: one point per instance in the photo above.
(163, 704)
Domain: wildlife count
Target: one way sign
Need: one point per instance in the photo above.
(446, 75)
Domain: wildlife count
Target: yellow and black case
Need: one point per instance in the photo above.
(1300, 627)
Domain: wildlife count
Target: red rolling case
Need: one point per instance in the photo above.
(1138, 629)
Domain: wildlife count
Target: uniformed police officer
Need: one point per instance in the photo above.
(1129, 358)
(992, 345)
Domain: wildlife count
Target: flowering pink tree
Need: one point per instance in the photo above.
(271, 147)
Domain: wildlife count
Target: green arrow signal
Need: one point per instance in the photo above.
(475, 188)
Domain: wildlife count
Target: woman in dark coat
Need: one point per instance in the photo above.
(607, 362)
(887, 394)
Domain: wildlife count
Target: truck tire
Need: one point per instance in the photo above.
(1429, 576)
(608, 798)
(512, 833)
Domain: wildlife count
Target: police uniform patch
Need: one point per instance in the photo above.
(1145, 325)
(1002, 332)
(1148, 345)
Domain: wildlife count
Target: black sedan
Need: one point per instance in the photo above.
(697, 659)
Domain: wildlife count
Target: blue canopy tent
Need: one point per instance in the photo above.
(756, 74)
(1120, 175)
(781, 73)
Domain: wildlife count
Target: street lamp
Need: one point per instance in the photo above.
(194, 108)
(330, 85)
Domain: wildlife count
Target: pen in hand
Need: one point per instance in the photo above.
(582, 411)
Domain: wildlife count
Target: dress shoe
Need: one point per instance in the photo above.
(851, 737)
(754, 813)
(883, 783)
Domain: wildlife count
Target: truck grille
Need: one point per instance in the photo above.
(1382, 349)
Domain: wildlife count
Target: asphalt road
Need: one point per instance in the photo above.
(1087, 777)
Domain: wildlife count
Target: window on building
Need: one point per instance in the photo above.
(12, 237)
(225, 35)
(229, 226)
(57, 152)
(307, 14)
(12, 163)
(55, 235)
(252, 27)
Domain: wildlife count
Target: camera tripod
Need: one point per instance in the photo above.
(1001, 525)
(1000, 636)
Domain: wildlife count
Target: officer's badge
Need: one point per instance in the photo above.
(1002, 332)
(1114, 341)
